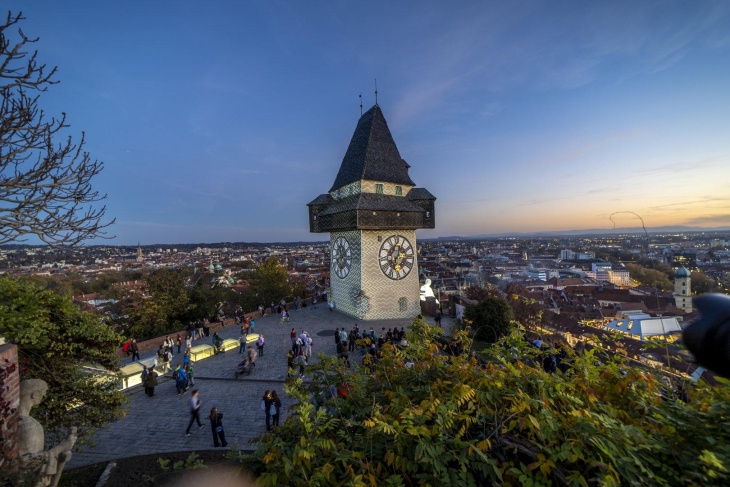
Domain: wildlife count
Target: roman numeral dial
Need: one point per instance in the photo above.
(341, 257)
(396, 257)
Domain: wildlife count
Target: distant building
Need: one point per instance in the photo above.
(570, 255)
(683, 289)
(606, 272)
(644, 327)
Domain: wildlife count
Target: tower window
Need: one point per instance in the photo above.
(379, 188)
(399, 191)
(402, 304)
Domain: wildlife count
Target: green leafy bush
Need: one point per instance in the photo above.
(444, 420)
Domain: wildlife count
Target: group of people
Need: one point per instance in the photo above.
(216, 420)
(198, 329)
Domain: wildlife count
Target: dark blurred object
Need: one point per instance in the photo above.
(708, 338)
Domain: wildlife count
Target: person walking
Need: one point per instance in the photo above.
(179, 343)
(260, 345)
(261, 310)
(195, 403)
(134, 349)
(144, 375)
(251, 356)
(151, 381)
(216, 425)
(253, 325)
(266, 406)
(272, 307)
(276, 405)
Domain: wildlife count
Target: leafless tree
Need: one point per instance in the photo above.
(45, 177)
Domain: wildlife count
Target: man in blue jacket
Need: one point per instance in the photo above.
(181, 379)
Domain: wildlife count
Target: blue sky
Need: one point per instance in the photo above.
(219, 121)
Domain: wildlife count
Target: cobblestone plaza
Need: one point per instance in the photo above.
(157, 424)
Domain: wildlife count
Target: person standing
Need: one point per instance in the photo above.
(186, 357)
(191, 330)
(301, 361)
(144, 375)
(134, 349)
(189, 373)
(216, 424)
(276, 405)
(152, 381)
(179, 343)
(272, 307)
(289, 362)
(308, 346)
(181, 380)
(266, 406)
(242, 340)
(195, 403)
(260, 345)
(252, 322)
(261, 310)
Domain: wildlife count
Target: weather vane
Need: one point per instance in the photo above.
(361, 104)
(376, 91)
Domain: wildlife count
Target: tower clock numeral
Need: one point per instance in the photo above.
(396, 257)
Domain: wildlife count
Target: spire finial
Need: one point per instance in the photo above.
(376, 91)
(361, 104)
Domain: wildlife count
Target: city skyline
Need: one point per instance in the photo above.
(219, 125)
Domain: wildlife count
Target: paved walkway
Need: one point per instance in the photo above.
(157, 424)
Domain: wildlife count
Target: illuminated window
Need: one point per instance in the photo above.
(631, 324)
(379, 188)
(399, 191)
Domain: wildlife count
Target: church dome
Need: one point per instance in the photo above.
(682, 272)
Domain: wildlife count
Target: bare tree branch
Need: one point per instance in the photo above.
(45, 177)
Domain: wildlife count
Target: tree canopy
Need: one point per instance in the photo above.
(424, 417)
(55, 340)
(269, 282)
(491, 318)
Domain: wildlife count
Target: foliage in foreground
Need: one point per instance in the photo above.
(447, 421)
(54, 341)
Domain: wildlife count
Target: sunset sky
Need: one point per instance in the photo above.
(219, 121)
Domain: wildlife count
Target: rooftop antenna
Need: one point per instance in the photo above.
(376, 91)
(361, 104)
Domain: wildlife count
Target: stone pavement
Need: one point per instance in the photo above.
(157, 424)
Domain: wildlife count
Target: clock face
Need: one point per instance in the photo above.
(341, 257)
(396, 257)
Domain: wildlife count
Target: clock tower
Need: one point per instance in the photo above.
(372, 212)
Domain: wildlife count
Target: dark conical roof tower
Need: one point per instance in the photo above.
(372, 154)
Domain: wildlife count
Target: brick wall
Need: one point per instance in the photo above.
(11, 396)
